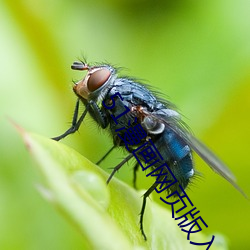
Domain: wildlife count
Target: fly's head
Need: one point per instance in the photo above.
(93, 85)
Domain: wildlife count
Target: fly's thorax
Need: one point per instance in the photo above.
(95, 84)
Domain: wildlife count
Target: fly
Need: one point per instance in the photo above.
(105, 96)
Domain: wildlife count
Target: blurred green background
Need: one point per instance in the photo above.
(195, 52)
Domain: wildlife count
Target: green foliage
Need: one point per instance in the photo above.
(194, 52)
(106, 216)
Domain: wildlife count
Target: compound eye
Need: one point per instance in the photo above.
(97, 79)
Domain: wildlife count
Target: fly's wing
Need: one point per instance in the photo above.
(175, 124)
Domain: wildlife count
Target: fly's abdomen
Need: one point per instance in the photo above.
(177, 155)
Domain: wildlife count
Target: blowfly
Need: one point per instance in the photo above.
(120, 103)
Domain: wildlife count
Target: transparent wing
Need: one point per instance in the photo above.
(175, 124)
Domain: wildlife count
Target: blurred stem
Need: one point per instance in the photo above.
(40, 39)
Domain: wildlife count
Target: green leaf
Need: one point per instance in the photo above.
(106, 215)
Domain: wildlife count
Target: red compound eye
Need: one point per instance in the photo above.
(97, 79)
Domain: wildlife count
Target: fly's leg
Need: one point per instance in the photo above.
(145, 196)
(119, 166)
(135, 169)
(98, 115)
(105, 155)
(75, 124)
